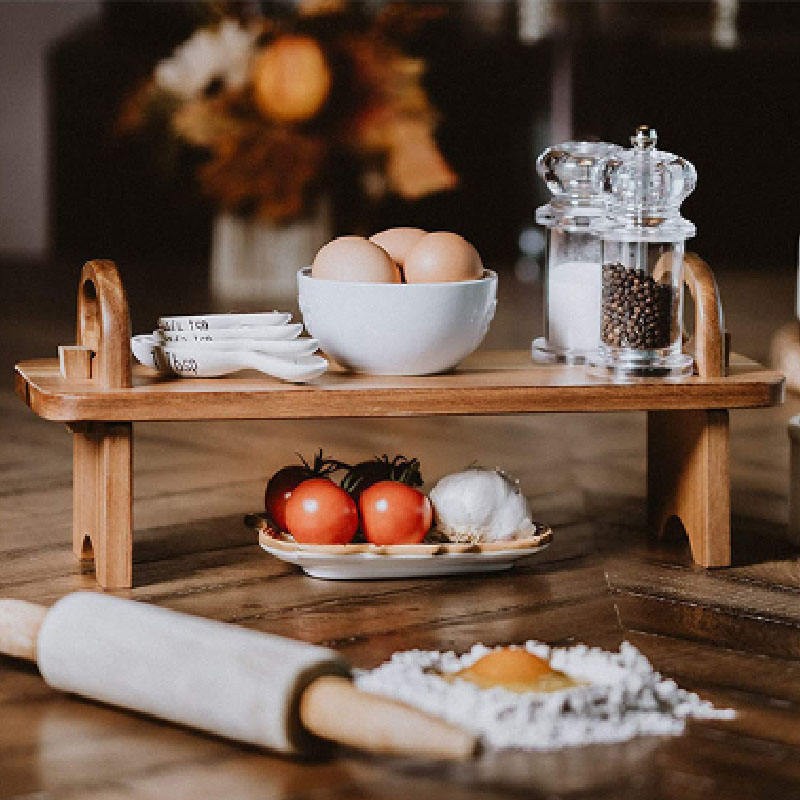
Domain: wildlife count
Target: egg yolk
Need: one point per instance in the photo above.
(515, 669)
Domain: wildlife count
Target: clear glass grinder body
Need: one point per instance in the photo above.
(643, 242)
(573, 172)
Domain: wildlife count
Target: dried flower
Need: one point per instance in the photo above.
(269, 172)
(222, 53)
(271, 103)
(415, 167)
(291, 79)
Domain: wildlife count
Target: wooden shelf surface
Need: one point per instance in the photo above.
(489, 382)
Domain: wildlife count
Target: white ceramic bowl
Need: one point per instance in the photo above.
(397, 329)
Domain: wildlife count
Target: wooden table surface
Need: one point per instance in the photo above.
(733, 635)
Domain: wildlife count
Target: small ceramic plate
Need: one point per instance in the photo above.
(373, 562)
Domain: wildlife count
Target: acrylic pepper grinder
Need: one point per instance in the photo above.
(573, 172)
(643, 239)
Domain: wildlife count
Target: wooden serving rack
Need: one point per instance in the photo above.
(93, 389)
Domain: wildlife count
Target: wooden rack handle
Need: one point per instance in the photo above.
(709, 328)
(104, 323)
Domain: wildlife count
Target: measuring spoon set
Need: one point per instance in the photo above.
(213, 345)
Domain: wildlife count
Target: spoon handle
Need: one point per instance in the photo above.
(297, 370)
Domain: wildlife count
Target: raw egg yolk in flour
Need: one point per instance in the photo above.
(515, 669)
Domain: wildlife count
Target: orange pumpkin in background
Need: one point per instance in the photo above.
(291, 79)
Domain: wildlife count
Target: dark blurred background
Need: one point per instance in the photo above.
(719, 80)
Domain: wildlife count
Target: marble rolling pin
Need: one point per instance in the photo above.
(245, 685)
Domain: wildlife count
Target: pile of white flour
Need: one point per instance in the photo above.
(623, 697)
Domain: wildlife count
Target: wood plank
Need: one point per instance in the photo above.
(766, 681)
(76, 745)
(757, 633)
(338, 615)
(723, 765)
(489, 382)
(708, 607)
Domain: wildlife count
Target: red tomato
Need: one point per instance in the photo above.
(394, 513)
(279, 490)
(319, 512)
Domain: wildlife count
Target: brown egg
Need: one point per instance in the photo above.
(442, 256)
(397, 242)
(353, 258)
(291, 79)
(515, 669)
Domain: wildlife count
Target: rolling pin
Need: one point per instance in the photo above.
(245, 685)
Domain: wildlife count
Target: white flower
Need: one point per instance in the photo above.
(223, 52)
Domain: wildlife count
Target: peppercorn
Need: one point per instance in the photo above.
(637, 310)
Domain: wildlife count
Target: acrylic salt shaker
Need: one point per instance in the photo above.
(643, 241)
(573, 172)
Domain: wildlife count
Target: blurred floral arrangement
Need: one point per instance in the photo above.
(270, 100)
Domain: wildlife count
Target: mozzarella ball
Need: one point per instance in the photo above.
(353, 258)
(442, 256)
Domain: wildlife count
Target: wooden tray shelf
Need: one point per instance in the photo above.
(489, 382)
(92, 387)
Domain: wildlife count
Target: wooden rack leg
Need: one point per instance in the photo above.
(688, 477)
(102, 500)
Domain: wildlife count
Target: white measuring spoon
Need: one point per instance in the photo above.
(193, 323)
(269, 332)
(144, 346)
(282, 348)
(196, 363)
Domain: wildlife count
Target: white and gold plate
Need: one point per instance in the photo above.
(364, 561)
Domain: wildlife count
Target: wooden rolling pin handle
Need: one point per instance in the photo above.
(332, 708)
(20, 622)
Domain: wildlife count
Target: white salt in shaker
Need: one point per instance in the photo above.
(643, 240)
(573, 172)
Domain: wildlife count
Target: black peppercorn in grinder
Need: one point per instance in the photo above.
(643, 239)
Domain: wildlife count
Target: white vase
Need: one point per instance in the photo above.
(255, 262)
